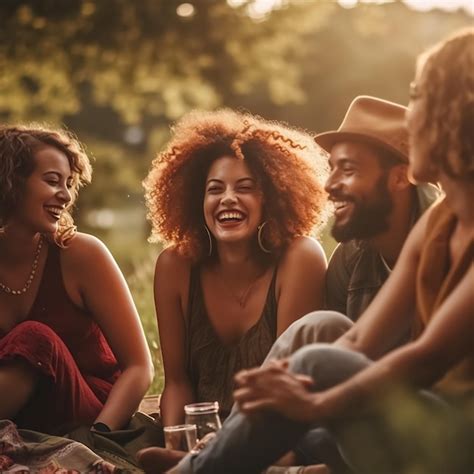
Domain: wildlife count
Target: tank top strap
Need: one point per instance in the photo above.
(195, 296)
(270, 308)
(52, 269)
(195, 311)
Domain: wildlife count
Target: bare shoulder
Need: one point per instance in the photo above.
(172, 270)
(303, 251)
(88, 267)
(84, 250)
(303, 260)
(170, 260)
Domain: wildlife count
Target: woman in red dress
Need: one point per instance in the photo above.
(72, 349)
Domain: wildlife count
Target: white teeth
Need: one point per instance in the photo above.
(339, 204)
(227, 215)
(54, 210)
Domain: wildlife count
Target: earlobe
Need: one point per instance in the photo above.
(398, 178)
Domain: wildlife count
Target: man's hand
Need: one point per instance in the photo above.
(274, 387)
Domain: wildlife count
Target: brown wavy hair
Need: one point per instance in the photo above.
(447, 84)
(18, 144)
(288, 165)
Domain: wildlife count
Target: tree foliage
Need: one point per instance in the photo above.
(118, 72)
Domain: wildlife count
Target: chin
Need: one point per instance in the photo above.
(49, 229)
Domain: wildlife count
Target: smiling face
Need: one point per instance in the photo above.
(233, 201)
(46, 192)
(358, 187)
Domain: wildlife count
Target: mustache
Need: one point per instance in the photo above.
(338, 196)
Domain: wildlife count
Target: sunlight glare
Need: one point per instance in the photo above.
(348, 3)
(449, 5)
(185, 10)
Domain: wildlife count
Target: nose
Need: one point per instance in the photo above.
(332, 183)
(229, 197)
(65, 195)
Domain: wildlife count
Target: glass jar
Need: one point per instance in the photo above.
(205, 416)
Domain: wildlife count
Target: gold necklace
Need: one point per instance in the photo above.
(31, 276)
(241, 299)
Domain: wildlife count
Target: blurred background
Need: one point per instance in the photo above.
(119, 72)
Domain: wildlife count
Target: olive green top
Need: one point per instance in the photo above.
(211, 365)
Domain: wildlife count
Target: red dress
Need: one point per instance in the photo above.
(62, 342)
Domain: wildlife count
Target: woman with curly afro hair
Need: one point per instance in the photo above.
(233, 198)
(72, 350)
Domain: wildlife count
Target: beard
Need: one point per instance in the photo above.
(369, 216)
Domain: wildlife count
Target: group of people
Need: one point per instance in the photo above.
(315, 356)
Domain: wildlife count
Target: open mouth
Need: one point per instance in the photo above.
(341, 207)
(230, 217)
(54, 211)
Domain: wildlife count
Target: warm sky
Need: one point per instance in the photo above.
(261, 7)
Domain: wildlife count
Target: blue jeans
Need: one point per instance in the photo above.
(249, 444)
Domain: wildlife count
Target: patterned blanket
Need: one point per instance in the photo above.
(24, 451)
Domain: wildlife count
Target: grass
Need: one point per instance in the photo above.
(141, 286)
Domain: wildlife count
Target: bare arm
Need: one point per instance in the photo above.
(105, 294)
(171, 283)
(300, 281)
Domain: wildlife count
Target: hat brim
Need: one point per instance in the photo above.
(327, 140)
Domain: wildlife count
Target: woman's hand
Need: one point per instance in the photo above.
(274, 387)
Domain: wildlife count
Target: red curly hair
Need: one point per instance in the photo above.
(288, 165)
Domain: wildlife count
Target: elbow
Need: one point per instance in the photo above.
(144, 374)
(149, 374)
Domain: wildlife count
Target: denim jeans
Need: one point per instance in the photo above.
(249, 444)
(368, 443)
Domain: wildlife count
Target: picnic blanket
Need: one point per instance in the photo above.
(25, 451)
(81, 451)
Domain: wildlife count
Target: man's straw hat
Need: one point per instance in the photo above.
(374, 121)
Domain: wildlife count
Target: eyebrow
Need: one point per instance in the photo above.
(342, 162)
(240, 180)
(57, 174)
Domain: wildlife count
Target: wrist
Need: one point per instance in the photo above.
(319, 410)
(100, 427)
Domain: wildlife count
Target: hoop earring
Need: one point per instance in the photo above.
(259, 237)
(209, 253)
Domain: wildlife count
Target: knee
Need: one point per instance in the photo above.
(32, 334)
(321, 326)
(329, 365)
(308, 359)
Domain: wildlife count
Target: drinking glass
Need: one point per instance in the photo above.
(180, 437)
(205, 416)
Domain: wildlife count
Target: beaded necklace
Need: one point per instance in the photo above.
(31, 276)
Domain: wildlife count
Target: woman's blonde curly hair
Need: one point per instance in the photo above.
(288, 165)
(18, 145)
(447, 87)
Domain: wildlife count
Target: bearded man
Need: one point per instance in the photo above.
(375, 205)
